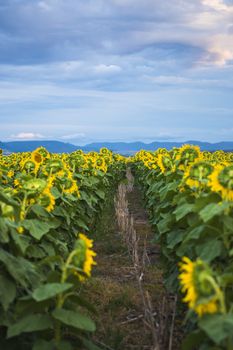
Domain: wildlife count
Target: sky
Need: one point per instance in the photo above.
(116, 70)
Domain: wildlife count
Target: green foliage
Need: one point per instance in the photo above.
(46, 200)
(194, 222)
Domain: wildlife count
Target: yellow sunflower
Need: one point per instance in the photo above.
(202, 293)
(84, 256)
(196, 175)
(188, 154)
(37, 157)
(47, 200)
(89, 254)
(164, 162)
(221, 181)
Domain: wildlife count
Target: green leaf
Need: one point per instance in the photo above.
(7, 291)
(30, 323)
(193, 340)
(74, 319)
(175, 237)
(212, 210)
(89, 345)
(40, 211)
(38, 228)
(50, 290)
(209, 250)
(65, 345)
(183, 210)
(165, 224)
(41, 344)
(21, 241)
(100, 194)
(82, 224)
(35, 252)
(217, 327)
(4, 237)
(20, 269)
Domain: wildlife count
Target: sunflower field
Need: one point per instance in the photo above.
(189, 197)
(47, 201)
(51, 203)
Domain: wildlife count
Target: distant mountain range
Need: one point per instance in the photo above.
(120, 147)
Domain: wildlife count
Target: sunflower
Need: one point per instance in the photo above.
(43, 152)
(54, 166)
(37, 157)
(29, 165)
(89, 261)
(221, 181)
(164, 162)
(187, 155)
(10, 173)
(47, 200)
(34, 187)
(197, 174)
(197, 281)
(84, 256)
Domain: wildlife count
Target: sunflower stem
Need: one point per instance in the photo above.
(218, 292)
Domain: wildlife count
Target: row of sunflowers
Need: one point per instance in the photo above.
(46, 200)
(189, 196)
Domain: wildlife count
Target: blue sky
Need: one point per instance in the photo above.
(116, 70)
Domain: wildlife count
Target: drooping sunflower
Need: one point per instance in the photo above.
(84, 256)
(188, 154)
(164, 162)
(37, 157)
(34, 187)
(47, 200)
(29, 165)
(197, 174)
(221, 181)
(198, 283)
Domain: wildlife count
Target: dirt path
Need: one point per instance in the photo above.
(134, 310)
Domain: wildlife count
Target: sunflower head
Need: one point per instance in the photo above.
(188, 154)
(54, 165)
(47, 200)
(197, 282)
(197, 174)
(43, 152)
(84, 257)
(37, 157)
(221, 181)
(104, 151)
(70, 185)
(29, 165)
(34, 187)
(164, 162)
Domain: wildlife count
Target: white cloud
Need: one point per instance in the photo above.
(44, 6)
(73, 136)
(26, 136)
(107, 69)
(217, 5)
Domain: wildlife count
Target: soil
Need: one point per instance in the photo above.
(114, 289)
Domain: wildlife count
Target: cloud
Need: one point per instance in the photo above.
(51, 31)
(73, 136)
(117, 67)
(107, 69)
(26, 136)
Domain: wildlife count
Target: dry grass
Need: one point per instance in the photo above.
(113, 289)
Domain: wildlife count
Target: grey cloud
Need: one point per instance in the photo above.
(44, 31)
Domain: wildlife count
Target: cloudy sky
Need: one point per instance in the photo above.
(91, 70)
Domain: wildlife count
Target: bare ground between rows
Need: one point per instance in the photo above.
(113, 289)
